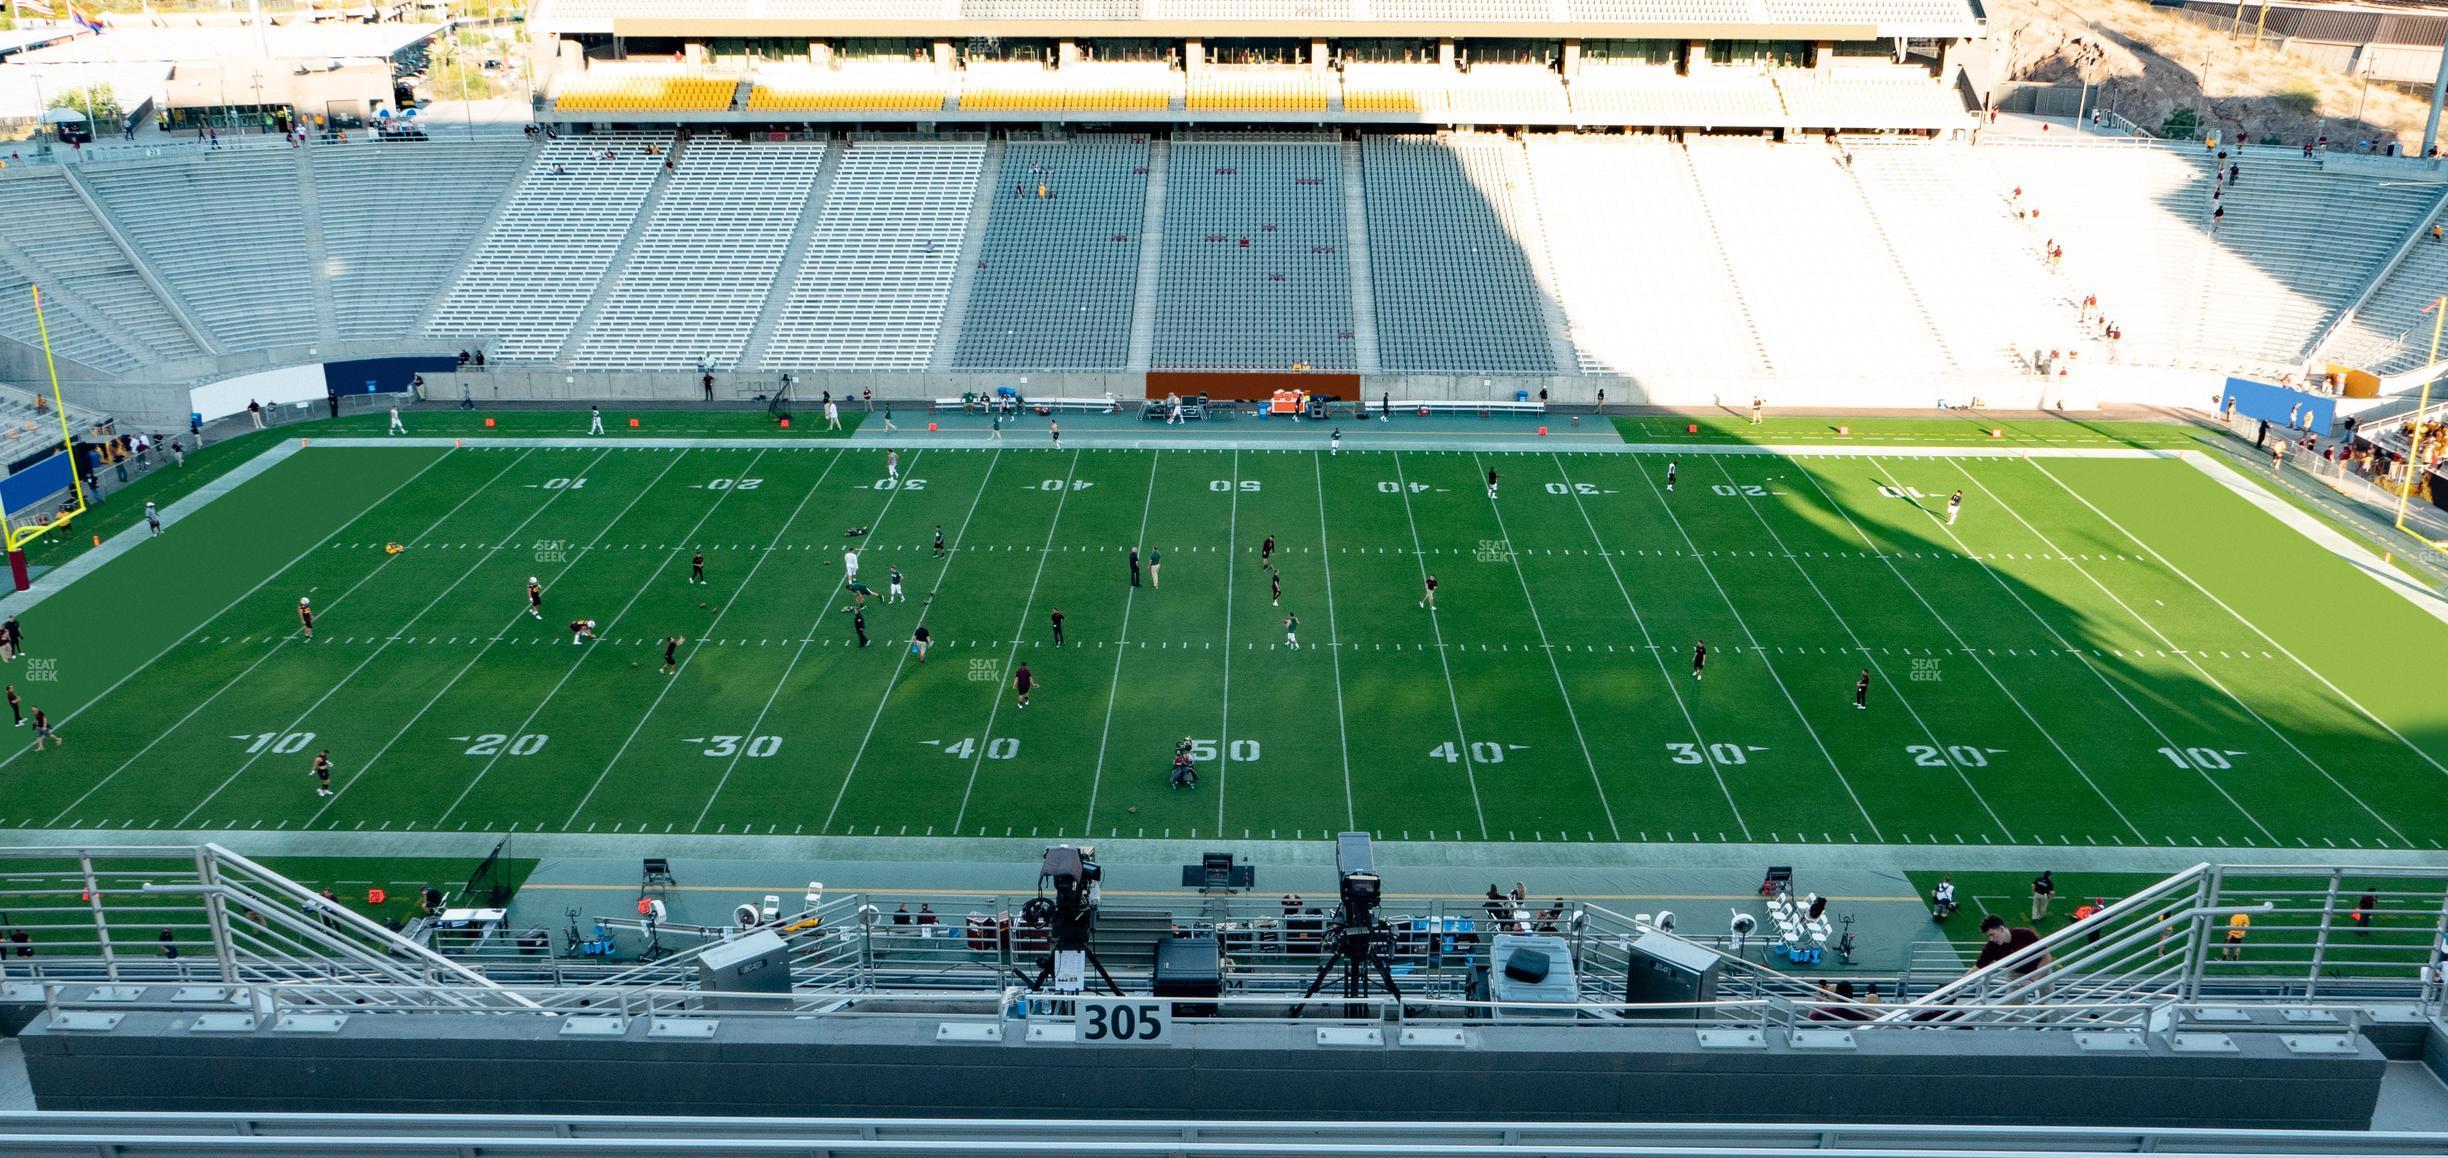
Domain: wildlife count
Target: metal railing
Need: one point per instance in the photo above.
(187, 1134)
(2307, 935)
(123, 918)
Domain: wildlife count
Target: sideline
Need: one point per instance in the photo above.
(2321, 534)
(58, 578)
(1088, 441)
(1282, 854)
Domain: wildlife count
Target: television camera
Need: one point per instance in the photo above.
(1361, 937)
(1069, 915)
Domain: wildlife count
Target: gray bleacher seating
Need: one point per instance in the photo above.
(1254, 271)
(1627, 316)
(2298, 242)
(226, 231)
(532, 275)
(2316, 236)
(1056, 275)
(398, 217)
(56, 233)
(697, 277)
(1452, 277)
(870, 293)
(1850, 309)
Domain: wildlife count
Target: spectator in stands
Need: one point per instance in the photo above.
(927, 917)
(169, 945)
(480, 359)
(2000, 942)
(463, 359)
(708, 383)
(2235, 172)
(901, 915)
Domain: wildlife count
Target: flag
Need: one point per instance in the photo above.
(78, 14)
(40, 8)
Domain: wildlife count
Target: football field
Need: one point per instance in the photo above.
(2108, 648)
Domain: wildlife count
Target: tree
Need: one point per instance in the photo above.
(98, 102)
(2181, 124)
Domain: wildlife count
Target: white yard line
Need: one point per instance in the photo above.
(807, 639)
(895, 679)
(504, 541)
(404, 729)
(1965, 646)
(240, 678)
(1591, 761)
(58, 578)
(1232, 565)
(2322, 534)
(1752, 638)
(1011, 662)
(1893, 688)
(1446, 441)
(249, 593)
(1470, 771)
(673, 679)
(1334, 645)
(1699, 741)
(2214, 681)
(2087, 661)
(1130, 597)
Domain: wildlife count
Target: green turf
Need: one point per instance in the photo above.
(133, 917)
(2281, 941)
(433, 420)
(1961, 430)
(2030, 664)
(160, 481)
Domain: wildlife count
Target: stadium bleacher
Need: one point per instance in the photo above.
(628, 92)
(1507, 94)
(871, 293)
(532, 275)
(386, 266)
(1724, 98)
(1989, 297)
(1255, 269)
(1657, 298)
(1293, 89)
(1056, 275)
(881, 88)
(1488, 254)
(1854, 97)
(697, 276)
(2390, 333)
(226, 232)
(2314, 238)
(1862, 320)
(1078, 88)
(1453, 253)
(55, 232)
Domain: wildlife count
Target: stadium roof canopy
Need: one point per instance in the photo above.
(125, 42)
(1182, 19)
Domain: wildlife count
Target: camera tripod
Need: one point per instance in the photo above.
(1065, 932)
(1359, 949)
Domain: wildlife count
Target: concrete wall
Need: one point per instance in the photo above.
(753, 1066)
(2004, 390)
